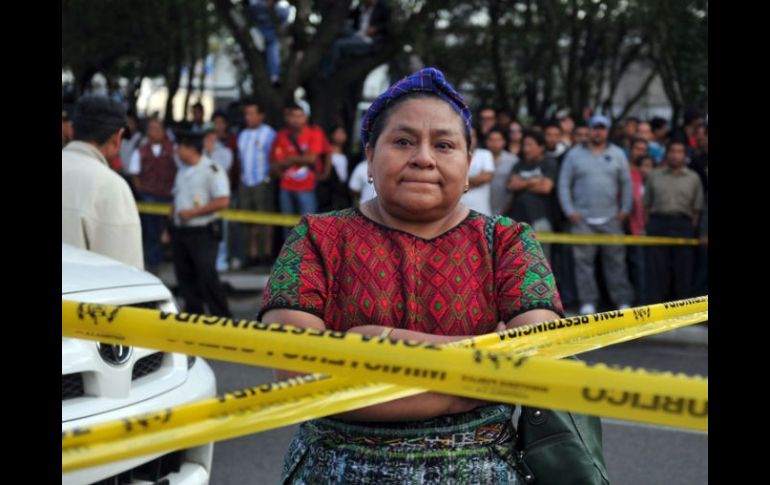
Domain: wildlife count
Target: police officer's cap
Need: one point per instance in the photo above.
(188, 138)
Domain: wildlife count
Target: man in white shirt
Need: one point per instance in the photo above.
(98, 209)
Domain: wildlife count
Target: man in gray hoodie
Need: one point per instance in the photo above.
(595, 193)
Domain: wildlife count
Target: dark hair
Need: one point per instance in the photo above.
(657, 123)
(219, 114)
(97, 118)
(632, 118)
(154, 119)
(198, 105)
(552, 124)
(382, 119)
(498, 131)
(638, 160)
(535, 135)
(192, 140)
(690, 115)
(484, 108)
(637, 139)
(676, 141)
(293, 106)
(580, 123)
(252, 102)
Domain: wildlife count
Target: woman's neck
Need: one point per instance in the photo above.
(422, 229)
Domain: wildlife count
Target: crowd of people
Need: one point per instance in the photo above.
(431, 237)
(568, 174)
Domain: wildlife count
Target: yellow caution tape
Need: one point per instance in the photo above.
(560, 238)
(268, 218)
(289, 220)
(250, 417)
(80, 451)
(154, 208)
(608, 386)
(552, 339)
(465, 372)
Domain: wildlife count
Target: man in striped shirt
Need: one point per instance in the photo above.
(256, 192)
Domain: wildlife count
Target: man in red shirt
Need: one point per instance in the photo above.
(297, 157)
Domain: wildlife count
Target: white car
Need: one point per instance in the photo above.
(107, 382)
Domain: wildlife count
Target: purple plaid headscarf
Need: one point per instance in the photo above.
(429, 80)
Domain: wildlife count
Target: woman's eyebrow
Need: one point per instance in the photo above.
(437, 132)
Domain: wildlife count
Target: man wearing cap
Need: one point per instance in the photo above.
(215, 150)
(98, 211)
(201, 190)
(595, 193)
(152, 169)
(298, 155)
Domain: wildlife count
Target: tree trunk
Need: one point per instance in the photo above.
(501, 91)
(203, 47)
(173, 78)
(188, 23)
(236, 20)
(639, 94)
(83, 78)
(188, 90)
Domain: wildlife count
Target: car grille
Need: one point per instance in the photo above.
(72, 386)
(147, 365)
(152, 471)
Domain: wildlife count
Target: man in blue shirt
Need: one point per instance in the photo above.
(595, 193)
(256, 193)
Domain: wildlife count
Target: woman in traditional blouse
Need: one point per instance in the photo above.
(412, 263)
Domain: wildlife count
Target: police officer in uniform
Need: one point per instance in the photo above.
(201, 190)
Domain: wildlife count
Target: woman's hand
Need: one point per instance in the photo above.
(368, 330)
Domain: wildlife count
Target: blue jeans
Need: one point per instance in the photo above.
(152, 226)
(301, 203)
(344, 47)
(292, 202)
(273, 55)
(222, 249)
(636, 257)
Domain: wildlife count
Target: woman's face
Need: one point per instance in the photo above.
(420, 162)
(339, 137)
(646, 167)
